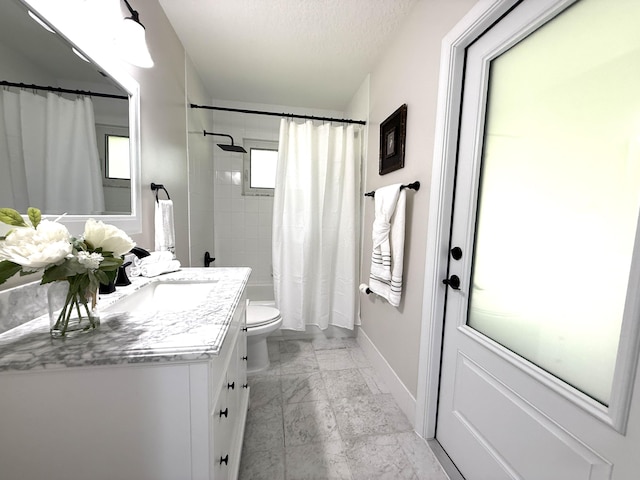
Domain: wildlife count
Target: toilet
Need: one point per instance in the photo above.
(261, 321)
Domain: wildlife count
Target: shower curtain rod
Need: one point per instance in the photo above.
(276, 114)
(62, 90)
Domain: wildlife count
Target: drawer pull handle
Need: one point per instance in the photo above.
(244, 329)
(224, 412)
(224, 460)
(245, 385)
(244, 358)
(231, 385)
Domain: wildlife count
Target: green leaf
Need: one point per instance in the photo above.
(34, 215)
(7, 270)
(11, 217)
(58, 272)
(102, 277)
(109, 264)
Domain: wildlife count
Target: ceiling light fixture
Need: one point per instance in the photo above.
(132, 42)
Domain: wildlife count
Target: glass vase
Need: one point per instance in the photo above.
(71, 312)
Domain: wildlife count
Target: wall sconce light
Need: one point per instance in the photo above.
(132, 42)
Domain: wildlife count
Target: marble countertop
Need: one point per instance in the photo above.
(193, 333)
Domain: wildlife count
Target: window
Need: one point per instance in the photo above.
(117, 157)
(113, 148)
(260, 167)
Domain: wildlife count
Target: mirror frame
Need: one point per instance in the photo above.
(95, 43)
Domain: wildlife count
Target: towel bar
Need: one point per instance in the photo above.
(412, 186)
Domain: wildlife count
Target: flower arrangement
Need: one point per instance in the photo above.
(47, 246)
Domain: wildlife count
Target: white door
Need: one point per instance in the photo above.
(543, 300)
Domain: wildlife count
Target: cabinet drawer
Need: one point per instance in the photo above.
(222, 422)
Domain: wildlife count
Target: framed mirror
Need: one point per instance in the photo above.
(69, 128)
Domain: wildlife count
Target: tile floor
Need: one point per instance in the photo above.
(320, 412)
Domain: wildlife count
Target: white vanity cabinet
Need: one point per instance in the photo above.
(139, 420)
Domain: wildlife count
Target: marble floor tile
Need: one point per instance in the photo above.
(309, 422)
(396, 417)
(320, 411)
(344, 383)
(357, 416)
(351, 342)
(420, 456)
(368, 415)
(295, 346)
(374, 382)
(272, 369)
(292, 363)
(262, 465)
(317, 461)
(265, 413)
(359, 358)
(335, 359)
(264, 390)
(259, 436)
(273, 348)
(324, 343)
(378, 457)
(303, 387)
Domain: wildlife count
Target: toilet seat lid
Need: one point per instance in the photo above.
(259, 315)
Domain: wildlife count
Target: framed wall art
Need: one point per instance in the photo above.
(393, 132)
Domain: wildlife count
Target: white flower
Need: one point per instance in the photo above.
(111, 239)
(91, 261)
(37, 248)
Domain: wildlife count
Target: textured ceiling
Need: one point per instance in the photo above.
(310, 53)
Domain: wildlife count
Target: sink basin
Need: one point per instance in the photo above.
(164, 296)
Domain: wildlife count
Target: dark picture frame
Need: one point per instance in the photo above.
(393, 132)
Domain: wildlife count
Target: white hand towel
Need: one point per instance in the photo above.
(387, 256)
(158, 268)
(165, 232)
(140, 264)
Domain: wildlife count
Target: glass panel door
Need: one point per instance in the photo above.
(560, 182)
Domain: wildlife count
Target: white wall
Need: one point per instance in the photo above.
(163, 125)
(407, 72)
(201, 171)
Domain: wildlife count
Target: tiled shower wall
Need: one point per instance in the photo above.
(242, 224)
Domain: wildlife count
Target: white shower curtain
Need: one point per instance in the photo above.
(316, 219)
(49, 147)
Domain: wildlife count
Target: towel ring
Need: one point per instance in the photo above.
(158, 186)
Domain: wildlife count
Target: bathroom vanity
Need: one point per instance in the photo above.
(158, 392)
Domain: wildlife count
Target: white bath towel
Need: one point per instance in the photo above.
(165, 232)
(387, 256)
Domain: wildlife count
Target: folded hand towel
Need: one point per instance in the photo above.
(387, 256)
(155, 269)
(154, 257)
(155, 262)
(165, 237)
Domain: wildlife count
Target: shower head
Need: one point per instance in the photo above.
(224, 146)
(232, 148)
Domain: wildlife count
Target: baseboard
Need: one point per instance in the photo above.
(400, 393)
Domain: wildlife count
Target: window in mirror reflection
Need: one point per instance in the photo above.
(260, 165)
(117, 164)
(113, 147)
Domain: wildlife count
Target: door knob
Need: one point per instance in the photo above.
(453, 281)
(456, 253)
